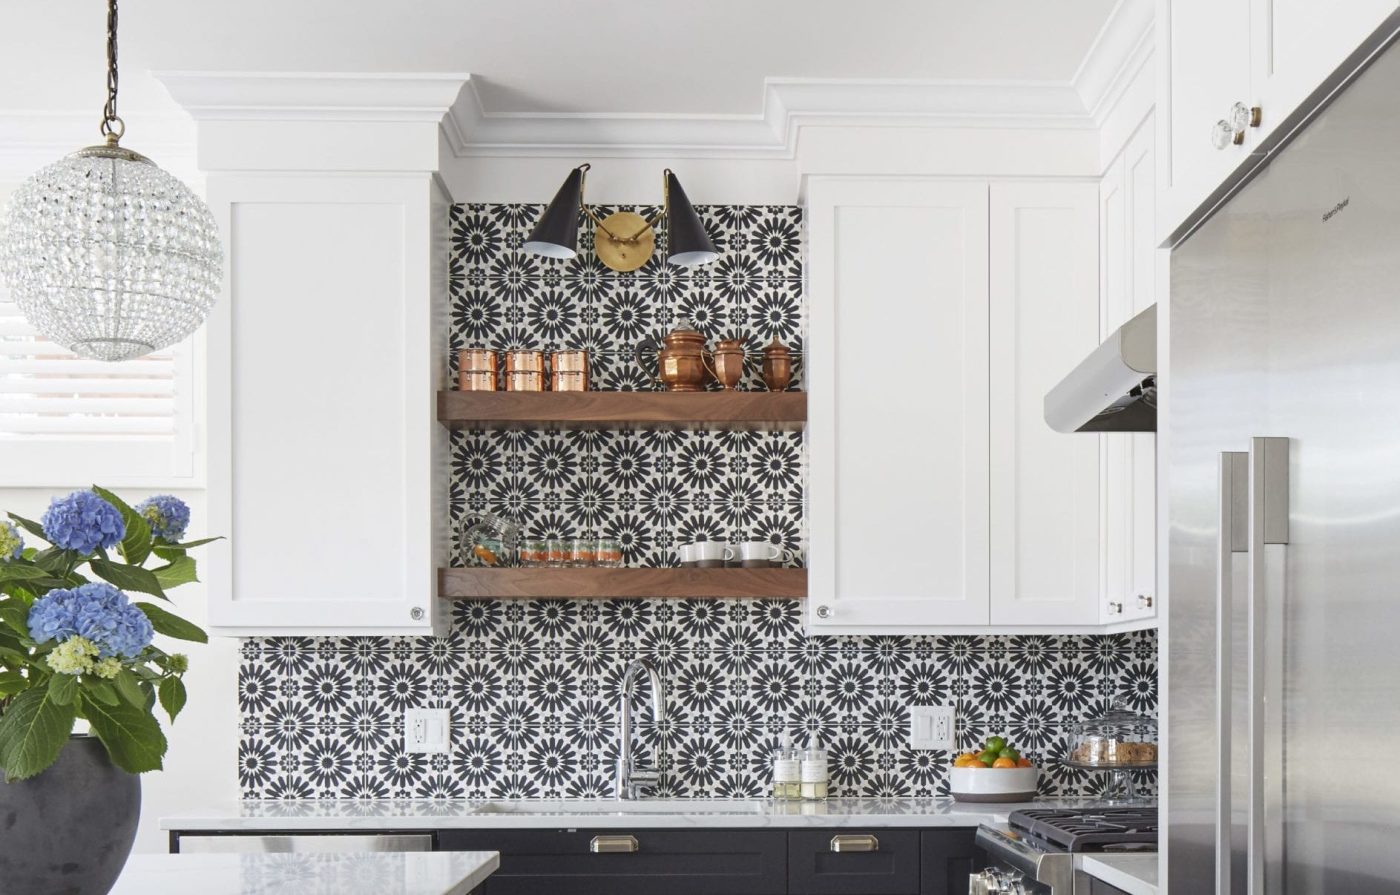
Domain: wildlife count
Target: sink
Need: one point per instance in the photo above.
(540, 807)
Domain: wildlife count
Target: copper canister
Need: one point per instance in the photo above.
(477, 370)
(729, 362)
(569, 370)
(524, 370)
(777, 366)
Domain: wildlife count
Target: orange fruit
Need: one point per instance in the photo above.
(965, 757)
(1003, 763)
(1024, 763)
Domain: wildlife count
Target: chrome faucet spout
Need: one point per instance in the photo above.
(630, 780)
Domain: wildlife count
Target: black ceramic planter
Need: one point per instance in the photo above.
(69, 830)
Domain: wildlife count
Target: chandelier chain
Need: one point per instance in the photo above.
(112, 125)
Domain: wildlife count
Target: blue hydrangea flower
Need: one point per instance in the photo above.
(97, 612)
(169, 517)
(82, 522)
(11, 541)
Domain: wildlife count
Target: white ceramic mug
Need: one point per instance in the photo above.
(706, 554)
(760, 554)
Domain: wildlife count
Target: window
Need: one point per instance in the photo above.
(66, 420)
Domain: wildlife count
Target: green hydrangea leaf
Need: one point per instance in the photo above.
(171, 625)
(133, 738)
(62, 687)
(198, 542)
(29, 525)
(129, 688)
(16, 617)
(180, 571)
(12, 682)
(100, 690)
(172, 696)
(136, 545)
(32, 731)
(22, 571)
(128, 577)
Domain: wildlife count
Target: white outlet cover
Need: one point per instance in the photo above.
(427, 731)
(931, 727)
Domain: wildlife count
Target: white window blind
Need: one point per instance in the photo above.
(66, 420)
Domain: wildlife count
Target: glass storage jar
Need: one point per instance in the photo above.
(1118, 741)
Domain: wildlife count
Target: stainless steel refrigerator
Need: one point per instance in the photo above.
(1282, 674)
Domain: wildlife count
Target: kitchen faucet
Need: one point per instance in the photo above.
(630, 780)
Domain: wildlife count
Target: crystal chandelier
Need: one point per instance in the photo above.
(105, 253)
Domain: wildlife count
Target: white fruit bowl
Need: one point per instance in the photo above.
(993, 784)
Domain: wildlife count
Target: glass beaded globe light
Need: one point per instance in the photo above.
(109, 256)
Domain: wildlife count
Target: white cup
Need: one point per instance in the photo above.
(760, 554)
(706, 554)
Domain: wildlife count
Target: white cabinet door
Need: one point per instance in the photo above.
(1203, 68)
(1127, 281)
(1044, 485)
(1296, 44)
(326, 462)
(897, 414)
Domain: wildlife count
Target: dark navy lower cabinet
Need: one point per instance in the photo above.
(947, 859)
(853, 862)
(630, 862)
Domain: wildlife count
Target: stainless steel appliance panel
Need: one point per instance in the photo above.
(1285, 321)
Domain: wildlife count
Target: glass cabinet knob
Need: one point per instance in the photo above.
(824, 612)
(1222, 134)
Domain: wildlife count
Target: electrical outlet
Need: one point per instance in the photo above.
(427, 730)
(931, 727)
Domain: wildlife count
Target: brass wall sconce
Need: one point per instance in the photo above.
(623, 240)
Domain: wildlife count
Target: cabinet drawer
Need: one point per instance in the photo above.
(665, 862)
(853, 862)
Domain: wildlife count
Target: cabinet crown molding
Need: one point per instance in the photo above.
(314, 96)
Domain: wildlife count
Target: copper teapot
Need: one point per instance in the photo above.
(681, 359)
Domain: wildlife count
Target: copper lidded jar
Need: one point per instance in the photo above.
(524, 371)
(680, 359)
(729, 362)
(477, 370)
(777, 366)
(568, 370)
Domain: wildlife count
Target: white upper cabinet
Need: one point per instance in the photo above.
(1044, 484)
(938, 498)
(897, 407)
(1264, 54)
(1127, 285)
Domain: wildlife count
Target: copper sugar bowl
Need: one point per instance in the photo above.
(681, 365)
(777, 366)
(729, 362)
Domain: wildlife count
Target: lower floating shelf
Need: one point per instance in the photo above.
(595, 584)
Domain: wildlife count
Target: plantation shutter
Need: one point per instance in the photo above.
(66, 420)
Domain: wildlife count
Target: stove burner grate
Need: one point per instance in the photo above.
(1088, 829)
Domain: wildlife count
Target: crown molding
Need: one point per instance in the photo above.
(314, 96)
(789, 105)
(1119, 51)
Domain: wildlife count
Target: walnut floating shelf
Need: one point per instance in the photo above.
(603, 410)
(535, 583)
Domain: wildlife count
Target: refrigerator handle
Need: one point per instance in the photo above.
(1268, 540)
(1232, 538)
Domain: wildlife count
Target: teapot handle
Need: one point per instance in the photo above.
(649, 347)
(707, 360)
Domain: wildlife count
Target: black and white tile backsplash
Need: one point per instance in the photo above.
(533, 685)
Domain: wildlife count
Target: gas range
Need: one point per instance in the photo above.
(1033, 853)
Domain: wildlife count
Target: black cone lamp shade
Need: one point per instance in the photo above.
(556, 234)
(687, 243)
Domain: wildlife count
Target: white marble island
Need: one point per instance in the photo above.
(355, 873)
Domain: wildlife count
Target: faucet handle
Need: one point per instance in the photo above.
(646, 777)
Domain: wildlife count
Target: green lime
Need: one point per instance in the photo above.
(995, 744)
(988, 757)
(1010, 753)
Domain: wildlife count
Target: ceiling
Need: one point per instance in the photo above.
(703, 57)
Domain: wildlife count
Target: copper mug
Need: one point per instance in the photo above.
(729, 362)
(477, 370)
(524, 370)
(680, 359)
(568, 370)
(777, 366)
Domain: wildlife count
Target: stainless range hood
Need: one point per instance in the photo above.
(1114, 389)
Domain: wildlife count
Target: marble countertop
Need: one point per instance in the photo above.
(1134, 874)
(428, 814)
(364, 873)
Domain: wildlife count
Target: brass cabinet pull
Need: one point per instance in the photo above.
(862, 843)
(603, 845)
